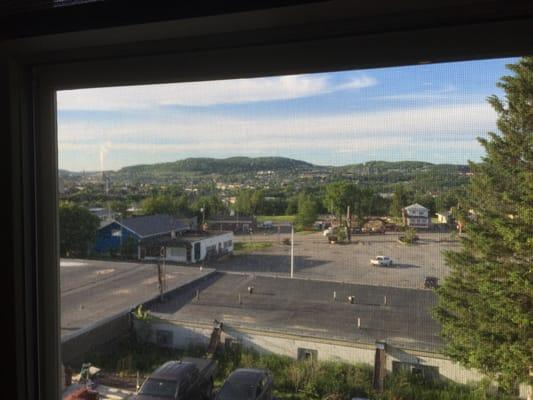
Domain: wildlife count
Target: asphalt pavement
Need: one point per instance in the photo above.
(92, 290)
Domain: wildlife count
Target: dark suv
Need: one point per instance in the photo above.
(188, 379)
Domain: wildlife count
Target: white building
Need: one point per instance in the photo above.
(189, 247)
(416, 216)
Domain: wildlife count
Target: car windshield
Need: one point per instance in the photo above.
(233, 390)
(159, 388)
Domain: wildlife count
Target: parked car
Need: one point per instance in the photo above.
(431, 282)
(267, 225)
(381, 260)
(247, 384)
(186, 379)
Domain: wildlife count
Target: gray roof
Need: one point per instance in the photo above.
(153, 225)
(415, 206)
(305, 308)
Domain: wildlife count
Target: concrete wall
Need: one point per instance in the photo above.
(94, 337)
(187, 334)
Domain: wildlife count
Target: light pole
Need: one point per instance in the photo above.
(292, 251)
(203, 215)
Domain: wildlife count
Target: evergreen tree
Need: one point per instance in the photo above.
(485, 305)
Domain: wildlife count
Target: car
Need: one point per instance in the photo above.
(267, 225)
(431, 282)
(186, 379)
(247, 384)
(381, 260)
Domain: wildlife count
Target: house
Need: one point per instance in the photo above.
(444, 217)
(189, 247)
(234, 223)
(416, 216)
(129, 232)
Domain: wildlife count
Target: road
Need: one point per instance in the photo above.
(92, 290)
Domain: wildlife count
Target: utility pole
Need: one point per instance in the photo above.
(292, 251)
(161, 273)
(348, 224)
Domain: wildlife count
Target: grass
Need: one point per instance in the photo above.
(246, 247)
(276, 218)
(293, 380)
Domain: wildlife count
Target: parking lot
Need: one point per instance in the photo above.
(315, 258)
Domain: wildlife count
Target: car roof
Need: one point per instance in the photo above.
(248, 375)
(173, 370)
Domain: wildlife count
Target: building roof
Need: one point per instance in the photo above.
(415, 206)
(187, 237)
(153, 225)
(305, 308)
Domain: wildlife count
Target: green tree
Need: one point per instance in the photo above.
(212, 205)
(120, 207)
(307, 211)
(485, 305)
(338, 196)
(292, 206)
(401, 198)
(77, 229)
(166, 204)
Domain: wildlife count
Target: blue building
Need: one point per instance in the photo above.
(115, 235)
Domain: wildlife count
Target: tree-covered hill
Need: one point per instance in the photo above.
(206, 166)
(380, 175)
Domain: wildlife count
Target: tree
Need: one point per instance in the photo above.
(485, 305)
(338, 196)
(211, 205)
(165, 204)
(307, 211)
(400, 199)
(77, 229)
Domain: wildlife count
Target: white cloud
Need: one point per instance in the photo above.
(436, 128)
(442, 120)
(208, 93)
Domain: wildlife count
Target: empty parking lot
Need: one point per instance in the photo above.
(315, 258)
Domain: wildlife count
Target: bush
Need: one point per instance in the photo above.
(409, 237)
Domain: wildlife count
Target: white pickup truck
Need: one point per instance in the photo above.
(381, 260)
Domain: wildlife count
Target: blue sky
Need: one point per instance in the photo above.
(428, 112)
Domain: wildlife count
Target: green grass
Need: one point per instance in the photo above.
(276, 218)
(245, 247)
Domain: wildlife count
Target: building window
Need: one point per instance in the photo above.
(307, 354)
(163, 337)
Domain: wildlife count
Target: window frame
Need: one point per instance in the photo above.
(32, 78)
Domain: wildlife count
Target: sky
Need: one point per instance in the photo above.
(430, 112)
